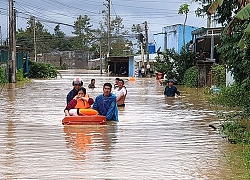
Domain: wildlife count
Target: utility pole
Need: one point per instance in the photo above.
(12, 43)
(100, 56)
(1, 41)
(34, 34)
(141, 39)
(108, 28)
(142, 55)
(147, 51)
(108, 23)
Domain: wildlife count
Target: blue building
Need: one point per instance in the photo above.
(172, 37)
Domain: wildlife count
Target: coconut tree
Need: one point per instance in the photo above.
(184, 10)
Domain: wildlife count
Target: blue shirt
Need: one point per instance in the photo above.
(107, 106)
(170, 92)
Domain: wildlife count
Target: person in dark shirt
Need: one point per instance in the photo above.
(170, 89)
(77, 83)
(201, 55)
(92, 83)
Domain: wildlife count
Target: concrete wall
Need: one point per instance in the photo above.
(74, 59)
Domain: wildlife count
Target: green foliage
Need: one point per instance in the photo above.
(224, 12)
(59, 40)
(86, 38)
(236, 127)
(166, 64)
(218, 75)
(183, 61)
(42, 70)
(3, 78)
(119, 39)
(44, 40)
(184, 9)
(234, 96)
(247, 160)
(19, 75)
(236, 132)
(174, 65)
(237, 60)
(191, 77)
(83, 32)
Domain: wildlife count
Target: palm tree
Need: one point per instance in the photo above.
(184, 10)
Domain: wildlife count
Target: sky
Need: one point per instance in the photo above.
(157, 13)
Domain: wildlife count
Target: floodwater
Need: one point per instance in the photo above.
(155, 138)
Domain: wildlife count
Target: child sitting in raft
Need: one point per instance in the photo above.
(80, 104)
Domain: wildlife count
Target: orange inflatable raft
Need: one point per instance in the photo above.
(84, 120)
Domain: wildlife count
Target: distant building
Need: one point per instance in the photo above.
(74, 59)
(172, 37)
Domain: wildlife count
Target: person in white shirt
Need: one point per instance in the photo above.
(191, 46)
(120, 93)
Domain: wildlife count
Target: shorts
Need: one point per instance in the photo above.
(121, 105)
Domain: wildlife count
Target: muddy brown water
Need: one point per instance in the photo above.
(155, 138)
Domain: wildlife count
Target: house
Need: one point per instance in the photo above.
(206, 39)
(172, 37)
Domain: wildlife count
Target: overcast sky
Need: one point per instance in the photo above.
(157, 13)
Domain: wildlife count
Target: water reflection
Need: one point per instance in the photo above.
(83, 139)
(173, 101)
(10, 139)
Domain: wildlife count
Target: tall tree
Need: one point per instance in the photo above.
(120, 43)
(184, 10)
(119, 37)
(83, 32)
(35, 33)
(60, 41)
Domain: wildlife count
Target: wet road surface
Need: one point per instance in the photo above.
(155, 138)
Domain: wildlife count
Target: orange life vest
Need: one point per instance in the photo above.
(81, 104)
(84, 107)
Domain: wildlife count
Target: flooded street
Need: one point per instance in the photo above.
(155, 138)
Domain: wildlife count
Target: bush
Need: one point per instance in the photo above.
(42, 70)
(218, 75)
(191, 77)
(3, 78)
(235, 95)
(19, 75)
